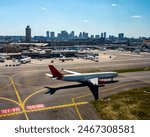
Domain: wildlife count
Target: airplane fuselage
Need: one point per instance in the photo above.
(87, 76)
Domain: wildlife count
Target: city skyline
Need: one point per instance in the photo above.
(92, 16)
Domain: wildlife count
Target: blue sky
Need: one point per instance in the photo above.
(94, 16)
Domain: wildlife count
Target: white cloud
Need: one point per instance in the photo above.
(115, 5)
(43, 8)
(85, 20)
(136, 16)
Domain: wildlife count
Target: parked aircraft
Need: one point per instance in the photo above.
(63, 58)
(89, 79)
(23, 60)
(90, 57)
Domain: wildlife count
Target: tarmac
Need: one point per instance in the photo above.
(27, 94)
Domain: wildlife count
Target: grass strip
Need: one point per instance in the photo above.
(129, 105)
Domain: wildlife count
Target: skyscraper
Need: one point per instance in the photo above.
(64, 35)
(80, 35)
(28, 34)
(85, 35)
(92, 36)
(97, 36)
(71, 36)
(52, 35)
(121, 36)
(47, 34)
(104, 35)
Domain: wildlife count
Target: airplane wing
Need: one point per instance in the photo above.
(94, 90)
(93, 81)
(72, 72)
(93, 86)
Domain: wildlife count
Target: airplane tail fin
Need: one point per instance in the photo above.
(55, 72)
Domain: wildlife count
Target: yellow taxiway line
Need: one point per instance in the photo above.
(2, 98)
(58, 107)
(19, 98)
(77, 110)
(39, 91)
(27, 98)
(11, 114)
(22, 104)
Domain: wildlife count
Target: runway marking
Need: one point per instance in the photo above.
(27, 98)
(83, 96)
(10, 110)
(30, 107)
(19, 98)
(46, 108)
(78, 113)
(10, 100)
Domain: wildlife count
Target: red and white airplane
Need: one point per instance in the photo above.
(90, 79)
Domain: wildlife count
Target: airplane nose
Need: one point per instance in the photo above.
(115, 74)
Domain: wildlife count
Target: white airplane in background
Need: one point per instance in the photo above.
(66, 59)
(25, 60)
(91, 57)
(90, 79)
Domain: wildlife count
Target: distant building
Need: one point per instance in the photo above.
(13, 38)
(2, 38)
(85, 35)
(64, 35)
(105, 35)
(121, 36)
(102, 35)
(71, 36)
(28, 34)
(47, 34)
(111, 38)
(97, 36)
(146, 42)
(80, 35)
(52, 34)
(92, 36)
(40, 38)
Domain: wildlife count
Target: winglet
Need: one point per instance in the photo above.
(55, 72)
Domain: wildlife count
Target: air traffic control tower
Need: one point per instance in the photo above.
(28, 34)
